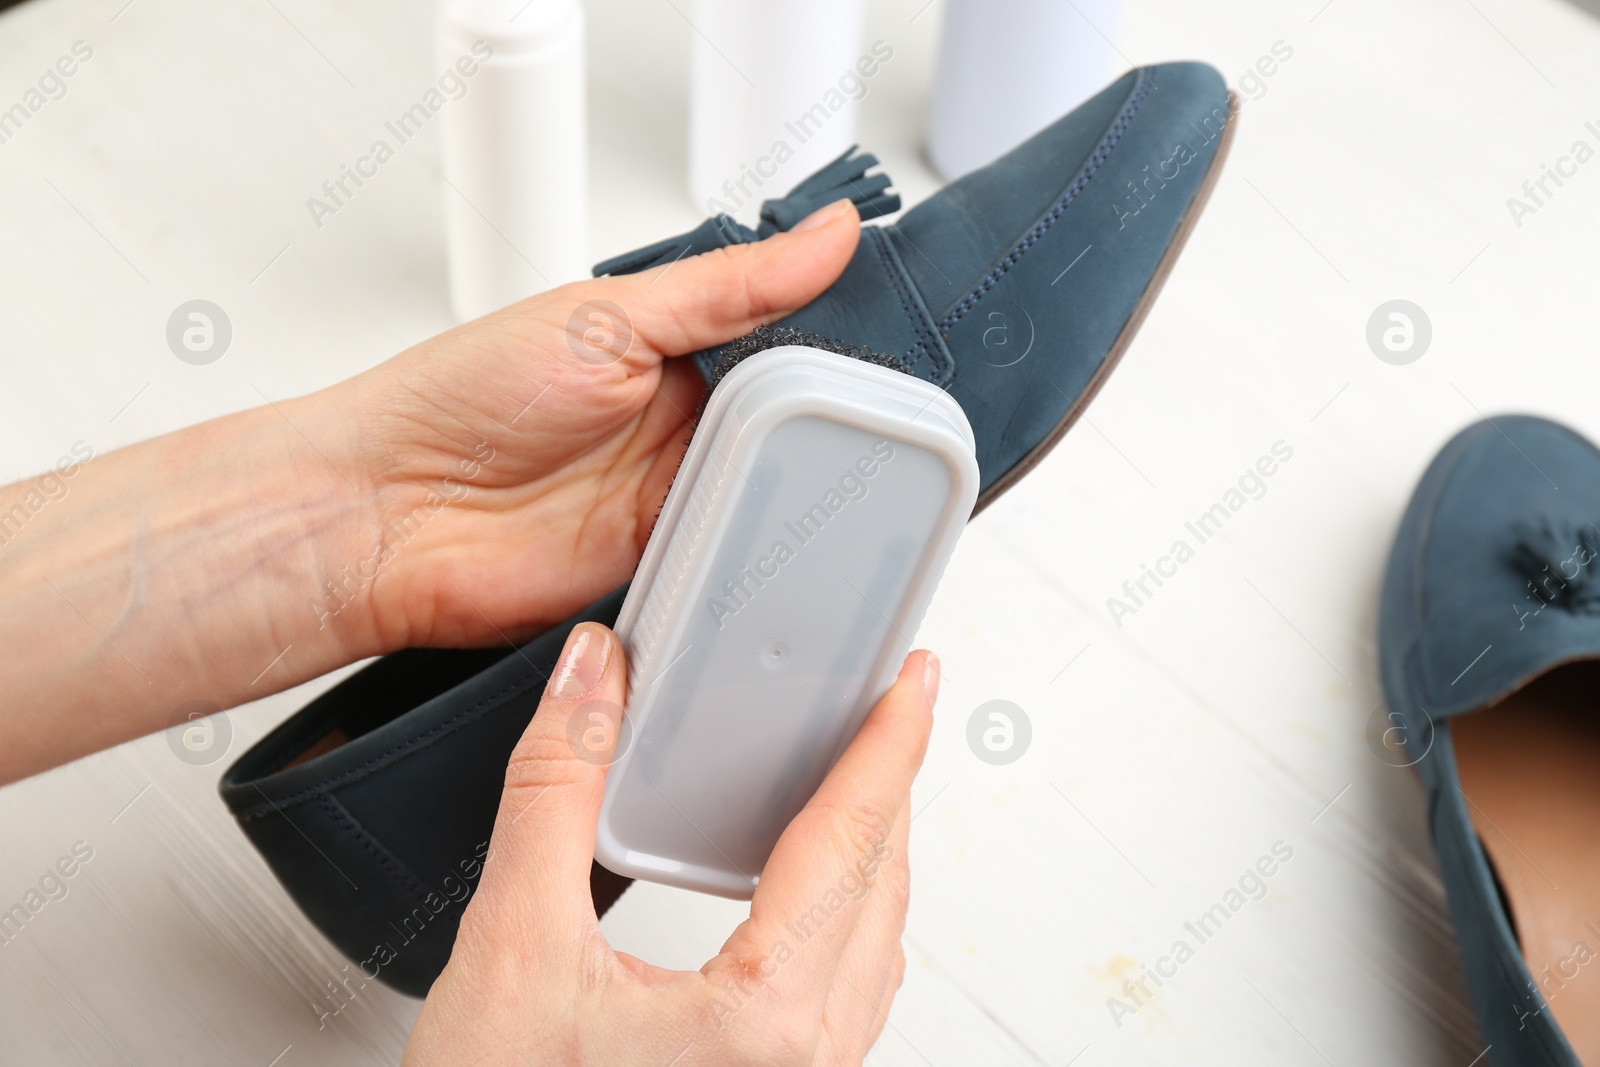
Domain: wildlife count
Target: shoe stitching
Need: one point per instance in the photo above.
(368, 843)
(918, 329)
(933, 346)
(941, 364)
(1097, 159)
(486, 704)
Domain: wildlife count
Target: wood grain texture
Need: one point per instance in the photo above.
(1172, 748)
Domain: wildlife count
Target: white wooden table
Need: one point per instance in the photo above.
(1236, 708)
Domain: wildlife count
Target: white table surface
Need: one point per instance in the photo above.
(1233, 710)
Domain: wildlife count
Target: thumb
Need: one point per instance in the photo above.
(539, 856)
(705, 300)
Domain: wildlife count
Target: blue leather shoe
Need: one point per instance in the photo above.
(1018, 287)
(1489, 640)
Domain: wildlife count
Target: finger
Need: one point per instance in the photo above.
(536, 879)
(813, 886)
(873, 964)
(705, 300)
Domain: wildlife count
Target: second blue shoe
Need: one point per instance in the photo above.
(1489, 643)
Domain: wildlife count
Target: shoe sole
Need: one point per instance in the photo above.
(1131, 327)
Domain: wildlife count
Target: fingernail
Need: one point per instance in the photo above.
(821, 217)
(930, 678)
(583, 661)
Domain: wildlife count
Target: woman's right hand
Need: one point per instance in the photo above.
(807, 979)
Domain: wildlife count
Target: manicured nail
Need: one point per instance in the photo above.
(583, 661)
(821, 217)
(930, 678)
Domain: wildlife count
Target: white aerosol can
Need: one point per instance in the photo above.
(514, 148)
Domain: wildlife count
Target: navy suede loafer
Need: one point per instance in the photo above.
(374, 803)
(1489, 641)
(1018, 287)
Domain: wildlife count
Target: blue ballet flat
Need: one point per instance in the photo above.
(1489, 646)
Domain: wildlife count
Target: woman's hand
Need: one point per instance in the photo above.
(553, 428)
(807, 979)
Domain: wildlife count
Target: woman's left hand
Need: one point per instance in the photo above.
(551, 431)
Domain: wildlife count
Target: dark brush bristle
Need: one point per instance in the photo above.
(764, 337)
